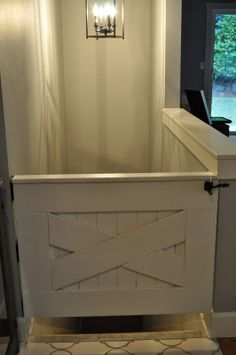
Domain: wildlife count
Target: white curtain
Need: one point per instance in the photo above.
(52, 145)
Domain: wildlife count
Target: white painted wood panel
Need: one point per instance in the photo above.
(110, 197)
(108, 280)
(118, 251)
(89, 219)
(72, 216)
(145, 282)
(205, 157)
(114, 177)
(69, 235)
(56, 253)
(176, 156)
(107, 222)
(164, 214)
(126, 221)
(110, 246)
(161, 284)
(180, 249)
(126, 279)
(33, 240)
(200, 247)
(74, 287)
(214, 150)
(117, 302)
(90, 284)
(161, 265)
(145, 217)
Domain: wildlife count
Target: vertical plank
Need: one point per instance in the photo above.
(162, 284)
(200, 247)
(34, 252)
(53, 252)
(90, 284)
(145, 282)
(126, 279)
(108, 280)
(126, 221)
(106, 222)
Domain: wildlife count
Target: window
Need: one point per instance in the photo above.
(220, 70)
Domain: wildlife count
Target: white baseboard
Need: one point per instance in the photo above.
(24, 329)
(223, 325)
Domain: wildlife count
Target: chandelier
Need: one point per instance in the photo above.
(105, 19)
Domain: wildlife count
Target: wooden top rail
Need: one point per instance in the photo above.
(92, 178)
(214, 150)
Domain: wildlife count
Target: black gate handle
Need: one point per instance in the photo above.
(209, 186)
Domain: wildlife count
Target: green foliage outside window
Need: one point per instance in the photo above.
(225, 48)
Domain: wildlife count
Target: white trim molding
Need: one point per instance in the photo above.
(24, 329)
(223, 325)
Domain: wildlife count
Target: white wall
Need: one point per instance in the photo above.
(15, 64)
(52, 142)
(114, 89)
(165, 52)
(173, 52)
(31, 123)
(176, 155)
(107, 92)
(157, 82)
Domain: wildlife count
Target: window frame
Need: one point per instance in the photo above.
(212, 10)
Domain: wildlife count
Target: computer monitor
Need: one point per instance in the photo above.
(199, 108)
(198, 105)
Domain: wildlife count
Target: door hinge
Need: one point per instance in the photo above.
(209, 186)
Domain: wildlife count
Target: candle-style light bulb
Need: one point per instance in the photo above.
(95, 10)
(103, 16)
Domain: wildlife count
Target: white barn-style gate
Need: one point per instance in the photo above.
(129, 244)
(120, 244)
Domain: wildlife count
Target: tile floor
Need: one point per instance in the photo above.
(196, 346)
(161, 335)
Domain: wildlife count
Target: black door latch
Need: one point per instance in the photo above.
(209, 186)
